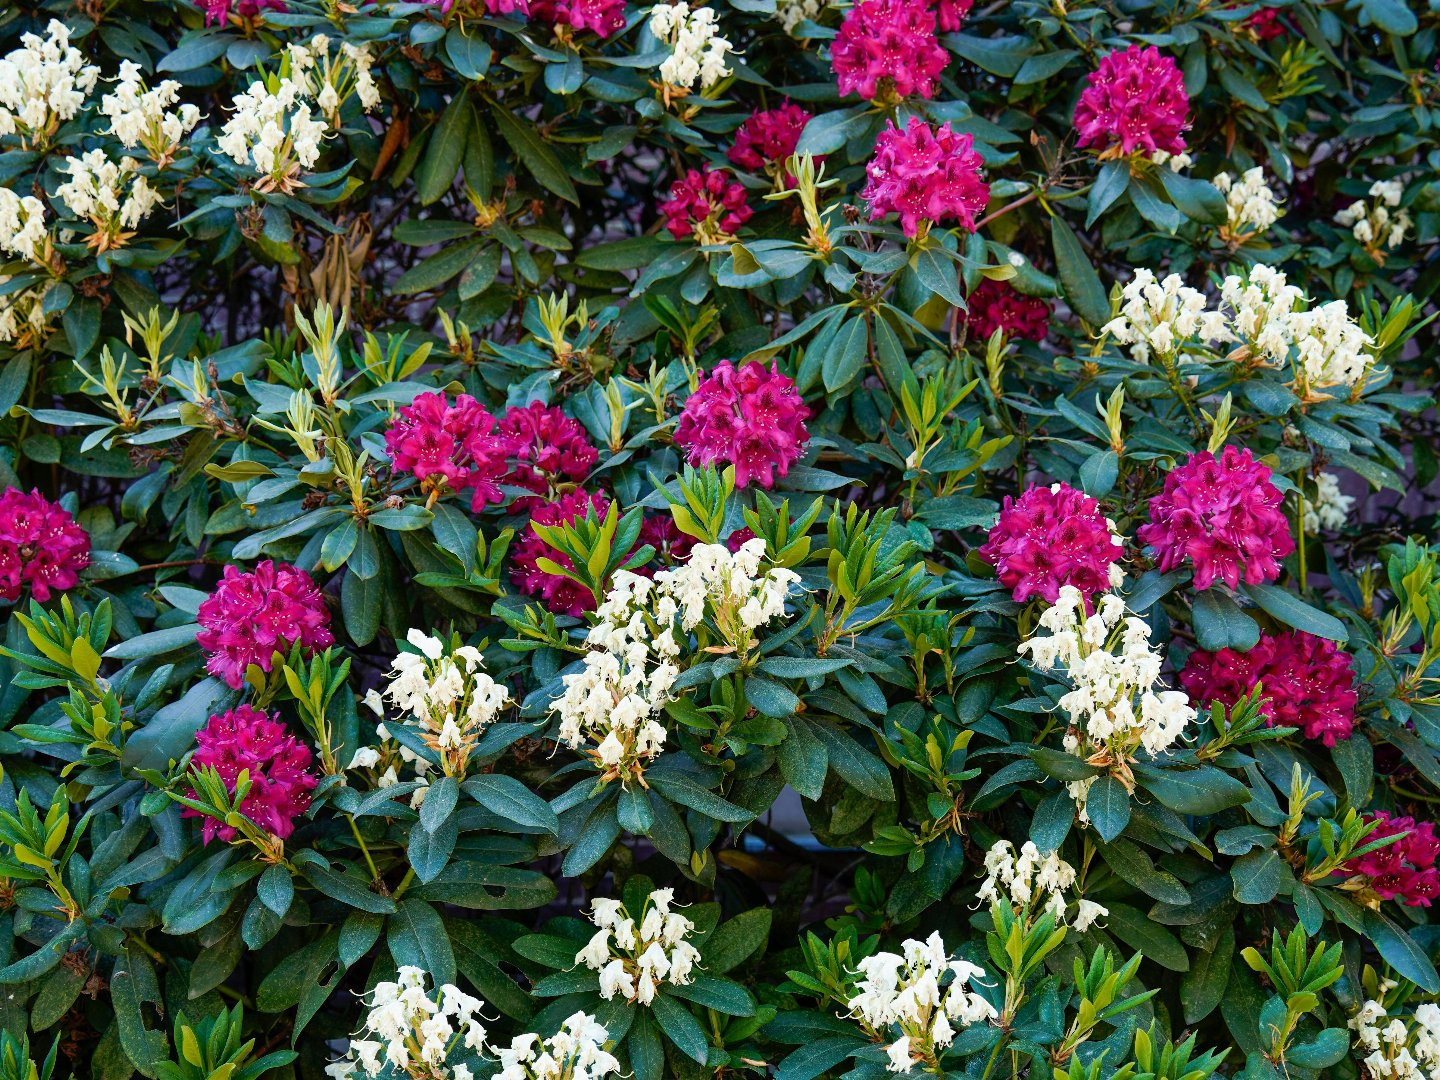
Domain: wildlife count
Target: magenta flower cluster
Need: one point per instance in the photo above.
(751, 417)
(560, 594)
(1403, 870)
(925, 176)
(251, 616)
(1051, 537)
(1134, 101)
(1307, 680)
(952, 13)
(705, 203)
(1223, 515)
(41, 546)
(994, 305)
(768, 137)
(886, 49)
(604, 17)
(250, 740)
(219, 11)
(549, 448)
(450, 448)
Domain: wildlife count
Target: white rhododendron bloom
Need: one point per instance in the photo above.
(575, 1052)
(1331, 349)
(1026, 877)
(1117, 704)
(22, 226)
(792, 13)
(697, 52)
(634, 958)
(329, 78)
(414, 1033)
(22, 312)
(1329, 508)
(1250, 205)
(144, 116)
(115, 197)
(1395, 1046)
(925, 993)
(1175, 162)
(42, 84)
(273, 130)
(1158, 319)
(1260, 307)
(610, 709)
(1379, 225)
(446, 695)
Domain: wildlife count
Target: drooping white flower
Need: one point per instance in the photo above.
(114, 196)
(1161, 319)
(22, 226)
(635, 959)
(273, 130)
(1379, 225)
(42, 84)
(697, 52)
(143, 116)
(1329, 508)
(1250, 204)
(414, 1032)
(1027, 878)
(576, 1052)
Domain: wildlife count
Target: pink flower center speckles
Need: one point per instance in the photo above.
(925, 176)
(450, 448)
(1051, 537)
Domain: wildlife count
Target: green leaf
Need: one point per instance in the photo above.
(680, 1026)
(1220, 624)
(1077, 277)
(687, 792)
(1203, 790)
(857, 766)
(722, 995)
(525, 140)
(1392, 16)
(1259, 876)
(444, 151)
(1140, 932)
(1203, 987)
(1108, 804)
(508, 798)
(1292, 611)
(1199, 200)
(416, 936)
(736, 940)
(1400, 951)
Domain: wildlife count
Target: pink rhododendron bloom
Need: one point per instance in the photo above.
(219, 11)
(706, 204)
(1267, 24)
(886, 49)
(604, 17)
(449, 448)
(1308, 681)
(41, 546)
(1405, 869)
(1224, 515)
(251, 616)
(767, 139)
(490, 7)
(560, 594)
(250, 740)
(752, 418)
(1135, 101)
(994, 305)
(1051, 537)
(952, 13)
(550, 447)
(670, 544)
(925, 176)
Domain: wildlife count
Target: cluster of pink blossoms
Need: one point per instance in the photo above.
(549, 447)
(1135, 100)
(752, 418)
(1224, 515)
(706, 204)
(449, 448)
(886, 49)
(1051, 537)
(251, 616)
(670, 544)
(925, 176)
(40, 546)
(602, 16)
(1405, 869)
(1307, 680)
(768, 138)
(248, 739)
(560, 594)
(952, 13)
(994, 305)
(219, 11)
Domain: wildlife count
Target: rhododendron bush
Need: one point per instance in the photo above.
(563, 539)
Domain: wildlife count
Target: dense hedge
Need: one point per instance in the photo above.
(554, 539)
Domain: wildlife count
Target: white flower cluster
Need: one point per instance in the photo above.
(1330, 507)
(22, 225)
(1022, 879)
(1159, 319)
(1378, 225)
(43, 83)
(609, 709)
(22, 312)
(575, 1052)
(144, 116)
(273, 130)
(904, 989)
(445, 695)
(112, 196)
(414, 1033)
(1177, 162)
(792, 13)
(1118, 704)
(1250, 205)
(634, 960)
(330, 80)
(1400, 1048)
(697, 52)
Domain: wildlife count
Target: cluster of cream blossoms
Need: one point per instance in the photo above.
(697, 51)
(1267, 319)
(146, 116)
(331, 77)
(114, 196)
(1398, 1047)
(1118, 704)
(1250, 205)
(1027, 878)
(1329, 507)
(1378, 225)
(909, 991)
(576, 1052)
(610, 708)
(414, 1033)
(22, 226)
(42, 84)
(791, 13)
(635, 958)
